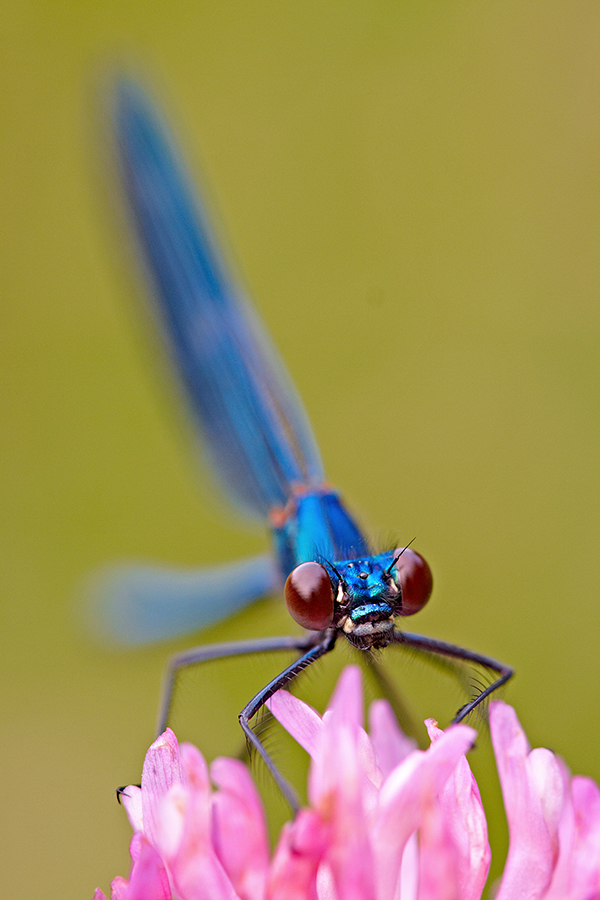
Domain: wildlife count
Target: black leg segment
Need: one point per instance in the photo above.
(442, 648)
(210, 652)
(324, 646)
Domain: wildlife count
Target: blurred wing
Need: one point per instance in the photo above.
(137, 604)
(251, 419)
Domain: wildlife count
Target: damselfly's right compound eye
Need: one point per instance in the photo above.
(415, 580)
(309, 596)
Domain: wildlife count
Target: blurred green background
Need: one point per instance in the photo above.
(413, 193)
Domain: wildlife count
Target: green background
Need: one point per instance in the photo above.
(413, 192)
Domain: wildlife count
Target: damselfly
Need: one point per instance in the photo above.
(261, 444)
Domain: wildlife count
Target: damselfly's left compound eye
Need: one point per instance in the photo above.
(415, 579)
(309, 596)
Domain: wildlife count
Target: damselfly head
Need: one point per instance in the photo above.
(360, 597)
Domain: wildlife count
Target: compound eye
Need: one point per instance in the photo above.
(309, 596)
(415, 579)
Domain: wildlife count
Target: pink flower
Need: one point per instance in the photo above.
(384, 822)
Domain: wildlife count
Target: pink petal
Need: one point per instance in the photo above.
(585, 859)
(341, 794)
(390, 743)
(409, 870)
(185, 842)
(347, 699)
(298, 857)
(184, 833)
(405, 797)
(532, 790)
(239, 828)
(131, 798)
(325, 884)
(462, 811)
(148, 879)
(438, 861)
(99, 895)
(195, 791)
(119, 889)
(335, 774)
(195, 770)
(345, 714)
(369, 766)
(162, 769)
(367, 758)
(561, 878)
(298, 718)
(576, 804)
(545, 776)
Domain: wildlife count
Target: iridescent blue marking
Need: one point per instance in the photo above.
(366, 610)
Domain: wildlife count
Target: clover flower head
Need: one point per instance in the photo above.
(384, 821)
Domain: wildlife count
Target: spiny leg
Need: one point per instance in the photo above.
(211, 652)
(315, 652)
(442, 648)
